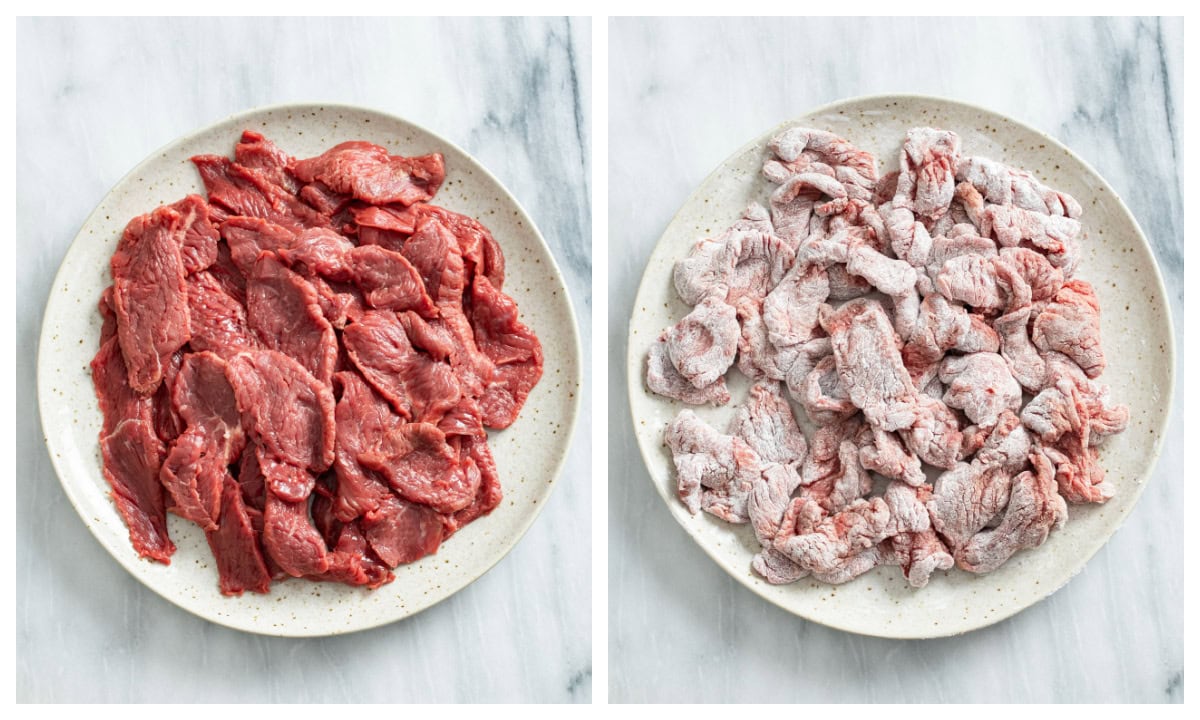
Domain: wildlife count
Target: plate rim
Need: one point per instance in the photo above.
(574, 348)
(634, 379)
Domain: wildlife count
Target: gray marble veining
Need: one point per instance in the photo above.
(686, 93)
(94, 98)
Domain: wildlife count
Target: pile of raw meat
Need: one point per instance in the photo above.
(931, 325)
(304, 365)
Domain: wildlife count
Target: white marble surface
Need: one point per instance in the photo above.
(683, 96)
(97, 96)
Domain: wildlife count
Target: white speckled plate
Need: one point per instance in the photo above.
(529, 454)
(1135, 327)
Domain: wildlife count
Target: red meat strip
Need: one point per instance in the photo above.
(291, 539)
(118, 401)
(218, 320)
(703, 344)
(234, 544)
(249, 237)
(417, 386)
(132, 457)
(926, 181)
(258, 153)
(480, 251)
(193, 474)
(1071, 325)
(1034, 507)
(284, 407)
(353, 562)
(247, 191)
(200, 235)
(662, 378)
(387, 280)
(402, 532)
(868, 359)
(980, 385)
(489, 494)
(150, 296)
(363, 419)
(422, 468)
(227, 274)
(511, 345)
(285, 312)
(369, 173)
(284, 480)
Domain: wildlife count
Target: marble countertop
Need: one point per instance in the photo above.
(683, 96)
(94, 97)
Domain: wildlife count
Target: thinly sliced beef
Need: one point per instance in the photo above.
(401, 532)
(246, 191)
(422, 467)
(284, 407)
(150, 296)
(218, 319)
(363, 419)
(514, 348)
(419, 387)
(489, 494)
(132, 456)
(285, 311)
(479, 249)
(291, 539)
(369, 173)
(258, 153)
(200, 235)
(234, 544)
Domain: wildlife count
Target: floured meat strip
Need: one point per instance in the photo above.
(703, 272)
(1004, 185)
(714, 471)
(966, 497)
(980, 385)
(832, 474)
(703, 344)
(919, 555)
(887, 455)
(759, 262)
(823, 397)
(910, 240)
(940, 324)
(1042, 277)
(1033, 509)
(150, 295)
(767, 425)
(869, 363)
(942, 249)
(927, 163)
(1011, 226)
(971, 279)
(834, 151)
(1028, 367)
(662, 378)
(790, 308)
(755, 218)
(835, 548)
(1071, 325)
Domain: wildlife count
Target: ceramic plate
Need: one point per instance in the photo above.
(1135, 327)
(529, 454)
